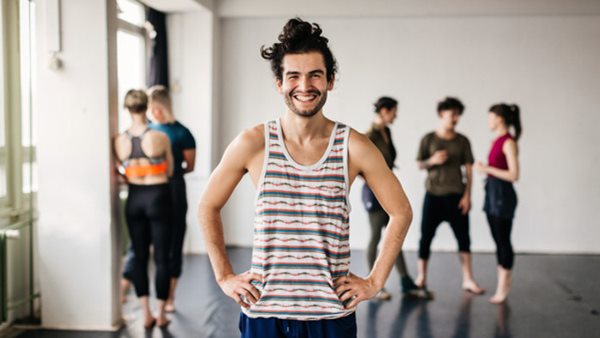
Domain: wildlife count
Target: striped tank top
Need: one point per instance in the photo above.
(301, 231)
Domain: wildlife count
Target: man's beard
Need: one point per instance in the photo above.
(289, 101)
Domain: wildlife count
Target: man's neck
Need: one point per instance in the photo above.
(445, 133)
(301, 129)
(166, 120)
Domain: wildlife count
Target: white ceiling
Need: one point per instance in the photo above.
(380, 8)
(173, 6)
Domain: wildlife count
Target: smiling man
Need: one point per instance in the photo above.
(302, 164)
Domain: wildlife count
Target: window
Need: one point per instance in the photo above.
(18, 174)
(28, 118)
(132, 12)
(131, 53)
(3, 122)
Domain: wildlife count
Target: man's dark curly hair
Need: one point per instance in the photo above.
(451, 103)
(297, 37)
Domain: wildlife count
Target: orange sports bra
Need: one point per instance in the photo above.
(156, 165)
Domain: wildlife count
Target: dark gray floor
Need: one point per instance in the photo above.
(553, 296)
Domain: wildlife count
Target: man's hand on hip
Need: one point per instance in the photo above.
(240, 289)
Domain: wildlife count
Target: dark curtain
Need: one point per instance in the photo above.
(159, 56)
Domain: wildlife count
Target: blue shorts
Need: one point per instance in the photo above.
(344, 327)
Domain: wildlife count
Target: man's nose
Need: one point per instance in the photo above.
(304, 83)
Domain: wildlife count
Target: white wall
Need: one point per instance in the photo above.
(76, 258)
(395, 8)
(191, 71)
(548, 65)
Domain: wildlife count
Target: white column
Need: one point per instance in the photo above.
(76, 234)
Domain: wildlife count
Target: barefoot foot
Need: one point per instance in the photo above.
(472, 287)
(498, 299)
(149, 322)
(169, 307)
(163, 323)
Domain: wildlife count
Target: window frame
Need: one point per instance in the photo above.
(16, 204)
(143, 33)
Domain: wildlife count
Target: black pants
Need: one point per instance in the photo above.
(178, 228)
(501, 228)
(437, 209)
(180, 207)
(379, 220)
(148, 213)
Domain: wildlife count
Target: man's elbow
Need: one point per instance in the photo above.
(189, 167)
(408, 214)
(206, 211)
(405, 215)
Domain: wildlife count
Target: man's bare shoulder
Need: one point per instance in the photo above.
(250, 141)
(359, 143)
(157, 135)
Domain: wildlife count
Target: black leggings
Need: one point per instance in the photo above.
(148, 214)
(378, 220)
(178, 228)
(437, 209)
(180, 207)
(501, 228)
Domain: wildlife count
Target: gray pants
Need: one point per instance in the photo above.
(378, 220)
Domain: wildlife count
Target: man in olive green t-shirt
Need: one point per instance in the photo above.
(443, 153)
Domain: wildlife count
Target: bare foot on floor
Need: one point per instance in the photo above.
(149, 322)
(420, 282)
(472, 287)
(163, 323)
(498, 298)
(124, 290)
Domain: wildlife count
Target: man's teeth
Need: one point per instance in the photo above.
(305, 98)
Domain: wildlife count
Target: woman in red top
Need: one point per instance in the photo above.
(500, 197)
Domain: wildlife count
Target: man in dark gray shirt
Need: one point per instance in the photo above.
(443, 153)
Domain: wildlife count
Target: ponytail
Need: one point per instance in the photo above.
(515, 120)
(511, 114)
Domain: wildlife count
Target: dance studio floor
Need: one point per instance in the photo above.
(553, 296)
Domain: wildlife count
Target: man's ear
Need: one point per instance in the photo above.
(278, 84)
(330, 83)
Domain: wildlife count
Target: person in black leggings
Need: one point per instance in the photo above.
(148, 213)
(500, 196)
(183, 148)
(145, 157)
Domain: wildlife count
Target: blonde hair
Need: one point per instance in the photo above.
(160, 94)
(136, 101)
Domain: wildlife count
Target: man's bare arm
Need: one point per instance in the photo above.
(189, 157)
(367, 161)
(220, 186)
(465, 201)
(169, 155)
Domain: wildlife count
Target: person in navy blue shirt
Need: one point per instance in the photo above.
(183, 147)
